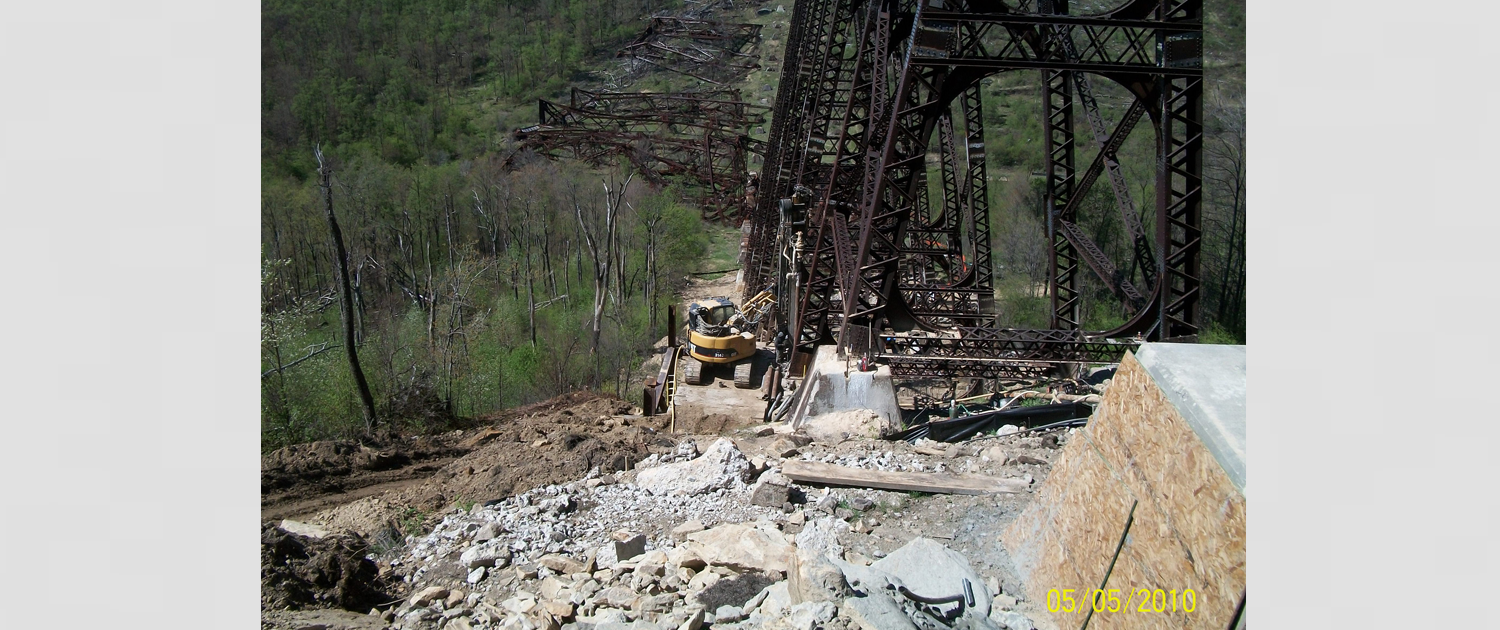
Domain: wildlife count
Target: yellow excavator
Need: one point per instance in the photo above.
(720, 333)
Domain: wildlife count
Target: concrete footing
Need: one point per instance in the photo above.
(828, 389)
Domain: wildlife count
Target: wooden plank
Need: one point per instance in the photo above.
(943, 483)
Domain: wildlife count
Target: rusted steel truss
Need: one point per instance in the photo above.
(700, 138)
(715, 52)
(879, 96)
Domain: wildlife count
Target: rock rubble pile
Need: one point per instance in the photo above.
(684, 542)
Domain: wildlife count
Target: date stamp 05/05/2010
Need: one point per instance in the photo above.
(1143, 600)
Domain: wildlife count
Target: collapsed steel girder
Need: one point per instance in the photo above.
(714, 52)
(901, 75)
(701, 138)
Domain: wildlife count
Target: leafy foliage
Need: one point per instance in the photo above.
(471, 287)
(403, 80)
(473, 294)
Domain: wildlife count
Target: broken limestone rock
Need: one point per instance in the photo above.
(813, 578)
(428, 595)
(721, 466)
(490, 531)
(771, 495)
(930, 569)
(306, 529)
(561, 564)
(822, 536)
(837, 426)
(684, 557)
(743, 547)
(783, 447)
(550, 587)
(493, 553)
(1011, 620)
(628, 545)
(694, 621)
(811, 615)
(728, 614)
(702, 581)
(777, 601)
(619, 597)
(876, 611)
(689, 527)
(455, 597)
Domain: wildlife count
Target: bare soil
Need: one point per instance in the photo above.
(298, 572)
(301, 479)
(556, 441)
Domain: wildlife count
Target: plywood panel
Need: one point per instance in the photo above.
(1189, 528)
(1070, 539)
(1193, 535)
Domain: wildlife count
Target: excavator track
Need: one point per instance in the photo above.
(742, 373)
(692, 371)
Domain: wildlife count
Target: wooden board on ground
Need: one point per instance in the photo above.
(941, 483)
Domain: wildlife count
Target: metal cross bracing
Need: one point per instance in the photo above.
(872, 89)
(960, 367)
(714, 52)
(701, 137)
(1032, 346)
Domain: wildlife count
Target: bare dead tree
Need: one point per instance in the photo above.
(601, 241)
(651, 218)
(346, 304)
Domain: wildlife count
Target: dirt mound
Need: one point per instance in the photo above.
(297, 572)
(314, 461)
(551, 442)
(304, 478)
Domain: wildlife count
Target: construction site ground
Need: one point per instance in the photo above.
(376, 507)
(565, 440)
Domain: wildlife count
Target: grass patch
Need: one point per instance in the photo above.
(411, 521)
(1216, 333)
(723, 251)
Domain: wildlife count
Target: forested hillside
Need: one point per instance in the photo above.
(419, 82)
(473, 287)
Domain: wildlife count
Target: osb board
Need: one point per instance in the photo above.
(1194, 535)
(1066, 538)
(1189, 527)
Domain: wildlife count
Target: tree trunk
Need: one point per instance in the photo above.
(530, 299)
(431, 296)
(346, 304)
